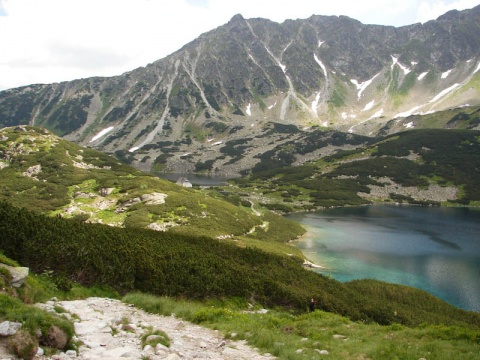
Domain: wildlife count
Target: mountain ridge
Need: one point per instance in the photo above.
(324, 71)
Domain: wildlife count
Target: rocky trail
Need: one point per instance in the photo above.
(110, 329)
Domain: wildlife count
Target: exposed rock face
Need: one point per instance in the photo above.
(432, 193)
(149, 199)
(228, 83)
(32, 171)
(154, 198)
(105, 191)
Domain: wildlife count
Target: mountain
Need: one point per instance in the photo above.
(232, 83)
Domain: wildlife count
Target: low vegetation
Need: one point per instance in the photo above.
(298, 336)
(416, 159)
(46, 174)
(226, 258)
(202, 268)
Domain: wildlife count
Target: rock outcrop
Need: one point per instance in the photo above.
(18, 274)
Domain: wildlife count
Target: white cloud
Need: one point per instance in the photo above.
(3, 9)
(55, 40)
(432, 9)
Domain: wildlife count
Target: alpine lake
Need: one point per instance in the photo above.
(436, 249)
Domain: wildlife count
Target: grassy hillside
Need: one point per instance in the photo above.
(218, 248)
(203, 268)
(426, 167)
(44, 173)
(303, 336)
(285, 334)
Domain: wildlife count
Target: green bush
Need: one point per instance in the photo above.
(159, 337)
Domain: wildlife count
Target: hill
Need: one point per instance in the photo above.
(422, 167)
(202, 268)
(47, 174)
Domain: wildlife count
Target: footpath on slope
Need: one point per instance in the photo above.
(95, 319)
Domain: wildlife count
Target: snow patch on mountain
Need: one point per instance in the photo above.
(315, 102)
(362, 86)
(345, 116)
(369, 105)
(478, 68)
(422, 75)
(286, 47)
(102, 133)
(408, 112)
(446, 73)
(445, 92)
(403, 67)
(319, 62)
(376, 115)
(248, 110)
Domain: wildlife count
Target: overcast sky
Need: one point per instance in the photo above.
(46, 41)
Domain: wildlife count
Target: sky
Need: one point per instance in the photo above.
(47, 41)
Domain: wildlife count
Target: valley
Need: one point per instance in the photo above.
(306, 115)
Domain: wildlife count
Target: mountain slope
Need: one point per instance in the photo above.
(228, 83)
(45, 173)
(425, 166)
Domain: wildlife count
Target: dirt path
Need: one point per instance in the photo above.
(111, 330)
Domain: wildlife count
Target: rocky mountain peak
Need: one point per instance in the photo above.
(230, 83)
(236, 18)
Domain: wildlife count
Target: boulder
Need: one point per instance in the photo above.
(152, 338)
(32, 171)
(71, 353)
(154, 198)
(9, 328)
(18, 274)
(105, 191)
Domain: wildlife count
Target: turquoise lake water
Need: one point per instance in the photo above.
(430, 248)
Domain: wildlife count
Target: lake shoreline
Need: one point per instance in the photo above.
(422, 247)
(307, 263)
